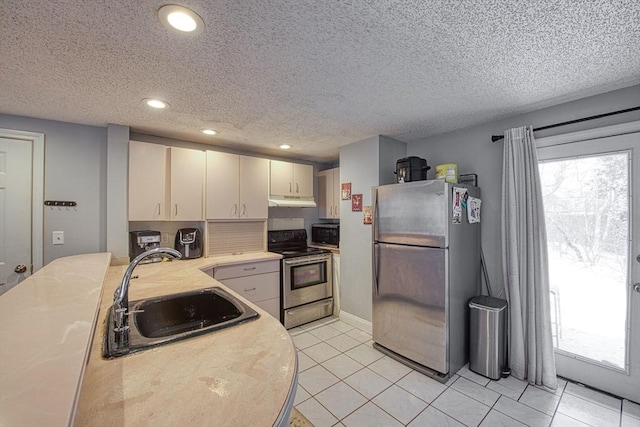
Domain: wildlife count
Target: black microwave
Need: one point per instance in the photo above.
(325, 234)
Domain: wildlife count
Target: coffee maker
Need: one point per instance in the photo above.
(141, 241)
(188, 243)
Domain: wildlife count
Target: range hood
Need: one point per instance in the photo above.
(291, 202)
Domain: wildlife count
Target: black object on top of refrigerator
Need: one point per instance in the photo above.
(426, 267)
(411, 168)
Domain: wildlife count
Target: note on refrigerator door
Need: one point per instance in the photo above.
(473, 210)
(460, 196)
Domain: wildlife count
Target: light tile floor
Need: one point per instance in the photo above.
(344, 381)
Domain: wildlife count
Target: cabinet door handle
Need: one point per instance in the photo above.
(290, 188)
(249, 268)
(235, 210)
(297, 188)
(250, 290)
(176, 214)
(158, 209)
(244, 210)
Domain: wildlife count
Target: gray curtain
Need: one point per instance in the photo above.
(524, 262)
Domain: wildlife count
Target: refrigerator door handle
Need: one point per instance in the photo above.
(376, 285)
(374, 231)
(374, 246)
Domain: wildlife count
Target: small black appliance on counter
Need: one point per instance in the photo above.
(411, 168)
(141, 241)
(189, 243)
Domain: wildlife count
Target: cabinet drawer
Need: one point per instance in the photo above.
(248, 269)
(255, 288)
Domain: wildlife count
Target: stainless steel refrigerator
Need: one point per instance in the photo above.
(426, 267)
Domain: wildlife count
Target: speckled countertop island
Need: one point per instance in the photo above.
(243, 375)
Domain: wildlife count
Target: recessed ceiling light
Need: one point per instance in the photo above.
(284, 146)
(155, 103)
(181, 19)
(209, 131)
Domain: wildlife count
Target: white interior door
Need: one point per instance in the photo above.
(592, 210)
(15, 211)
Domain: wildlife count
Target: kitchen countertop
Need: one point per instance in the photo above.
(46, 325)
(242, 375)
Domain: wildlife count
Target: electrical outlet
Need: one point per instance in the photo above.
(58, 237)
(165, 237)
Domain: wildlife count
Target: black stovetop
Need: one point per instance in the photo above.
(291, 243)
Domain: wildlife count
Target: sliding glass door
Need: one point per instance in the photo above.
(591, 203)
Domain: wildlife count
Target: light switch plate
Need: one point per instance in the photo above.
(58, 237)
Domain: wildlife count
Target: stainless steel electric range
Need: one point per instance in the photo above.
(306, 278)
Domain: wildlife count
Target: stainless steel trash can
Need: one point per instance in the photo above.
(488, 335)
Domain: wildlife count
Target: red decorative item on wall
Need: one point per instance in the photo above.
(356, 203)
(346, 190)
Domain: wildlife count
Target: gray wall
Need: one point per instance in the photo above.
(88, 164)
(117, 193)
(364, 164)
(75, 170)
(473, 151)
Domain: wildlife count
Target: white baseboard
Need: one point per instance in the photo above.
(356, 322)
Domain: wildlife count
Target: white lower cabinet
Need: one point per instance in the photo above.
(257, 281)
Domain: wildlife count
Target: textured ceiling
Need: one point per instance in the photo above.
(315, 74)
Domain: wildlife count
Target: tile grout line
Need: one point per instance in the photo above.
(334, 415)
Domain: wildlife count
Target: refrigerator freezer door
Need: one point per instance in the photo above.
(410, 299)
(412, 213)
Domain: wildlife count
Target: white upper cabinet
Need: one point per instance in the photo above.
(223, 180)
(329, 193)
(303, 179)
(165, 183)
(254, 188)
(291, 179)
(237, 186)
(147, 181)
(187, 184)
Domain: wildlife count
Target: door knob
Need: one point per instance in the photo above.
(21, 268)
(636, 287)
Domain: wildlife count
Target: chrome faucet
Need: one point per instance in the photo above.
(121, 297)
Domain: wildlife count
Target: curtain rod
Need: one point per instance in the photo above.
(496, 138)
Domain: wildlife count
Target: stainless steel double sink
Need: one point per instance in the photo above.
(160, 320)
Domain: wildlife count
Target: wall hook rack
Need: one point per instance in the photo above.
(60, 204)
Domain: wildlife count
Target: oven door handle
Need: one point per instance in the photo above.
(294, 261)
